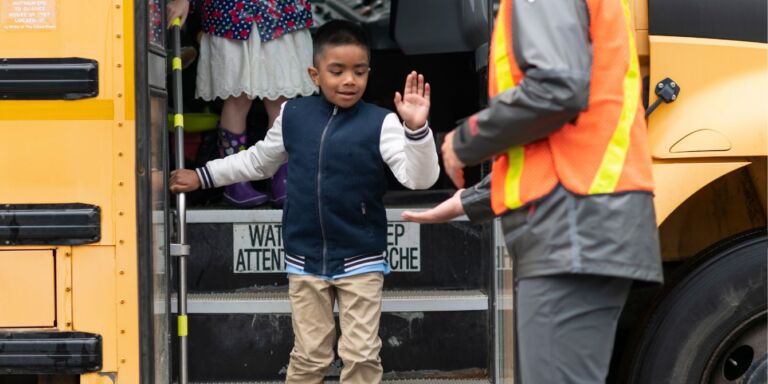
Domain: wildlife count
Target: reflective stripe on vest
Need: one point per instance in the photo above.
(613, 161)
(507, 167)
(525, 173)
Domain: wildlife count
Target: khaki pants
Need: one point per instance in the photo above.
(359, 300)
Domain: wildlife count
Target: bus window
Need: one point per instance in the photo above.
(156, 30)
(159, 236)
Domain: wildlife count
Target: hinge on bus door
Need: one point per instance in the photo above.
(179, 249)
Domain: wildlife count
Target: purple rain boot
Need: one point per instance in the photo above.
(279, 181)
(241, 195)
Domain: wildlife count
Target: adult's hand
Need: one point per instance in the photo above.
(177, 8)
(445, 211)
(454, 167)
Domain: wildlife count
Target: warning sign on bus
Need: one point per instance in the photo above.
(258, 247)
(28, 14)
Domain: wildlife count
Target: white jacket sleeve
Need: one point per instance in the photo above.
(260, 161)
(411, 155)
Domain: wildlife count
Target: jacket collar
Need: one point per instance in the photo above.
(332, 105)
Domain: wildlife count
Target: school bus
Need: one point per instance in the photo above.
(86, 225)
(84, 232)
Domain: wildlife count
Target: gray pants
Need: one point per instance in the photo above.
(566, 327)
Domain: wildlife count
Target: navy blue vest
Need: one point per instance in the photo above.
(336, 181)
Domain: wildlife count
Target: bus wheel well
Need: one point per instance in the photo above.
(706, 311)
(729, 205)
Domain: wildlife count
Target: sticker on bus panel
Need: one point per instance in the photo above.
(27, 14)
(258, 247)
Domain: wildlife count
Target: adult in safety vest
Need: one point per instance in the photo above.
(571, 178)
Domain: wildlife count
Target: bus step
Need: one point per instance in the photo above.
(272, 302)
(403, 381)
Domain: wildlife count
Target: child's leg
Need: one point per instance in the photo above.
(232, 140)
(273, 109)
(234, 112)
(279, 179)
(313, 327)
(359, 300)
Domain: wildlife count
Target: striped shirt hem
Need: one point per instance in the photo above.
(295, 261)
(357, 262)
(417, 134)
(206, 180)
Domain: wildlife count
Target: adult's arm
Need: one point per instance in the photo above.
(553, 50)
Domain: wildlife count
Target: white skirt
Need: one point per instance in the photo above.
(229, 67)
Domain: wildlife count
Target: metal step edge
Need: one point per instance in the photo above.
(277, 302)
(403, 381)
(242, 216)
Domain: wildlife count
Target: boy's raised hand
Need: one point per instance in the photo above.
(413, 105)
(183, 180)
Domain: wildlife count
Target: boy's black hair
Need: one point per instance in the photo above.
(339, 32)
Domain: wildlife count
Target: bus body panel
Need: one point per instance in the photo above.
(20, 287)
(720, 111)
(83, 151)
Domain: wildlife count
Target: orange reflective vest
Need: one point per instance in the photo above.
(605, 150)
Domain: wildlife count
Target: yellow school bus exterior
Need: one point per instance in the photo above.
(709, 149)
(82, 249)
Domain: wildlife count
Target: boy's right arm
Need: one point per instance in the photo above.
(183, 180)
(258, 162)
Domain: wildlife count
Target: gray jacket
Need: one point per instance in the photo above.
(613, 235)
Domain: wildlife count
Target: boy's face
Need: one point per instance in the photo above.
(341, 73)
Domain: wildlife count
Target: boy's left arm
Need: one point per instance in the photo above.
(410, 154)
(409, 148)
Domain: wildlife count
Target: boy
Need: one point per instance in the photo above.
(334, 221)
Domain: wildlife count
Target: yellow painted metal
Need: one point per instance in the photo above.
(724, 88)
(59, 162)
(95, 299)
(702, 140)
(178, 120)
(64, 295)
(640, 12)
(99, 378)
(182, 325)
(640, 16)
(90, 109)
(176, 64)
(126, 261)
(83, 151)
(126, 247)
(77, 33)
(723, 208)
(677, 181)
(27, 293)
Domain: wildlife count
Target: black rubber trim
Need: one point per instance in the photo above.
(743, 20)
(50, 352)
(49, 224)
(48, 79)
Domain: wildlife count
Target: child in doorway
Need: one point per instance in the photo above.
(251, 49)
(334, 221)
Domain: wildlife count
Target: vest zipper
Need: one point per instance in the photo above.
(319, 187)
